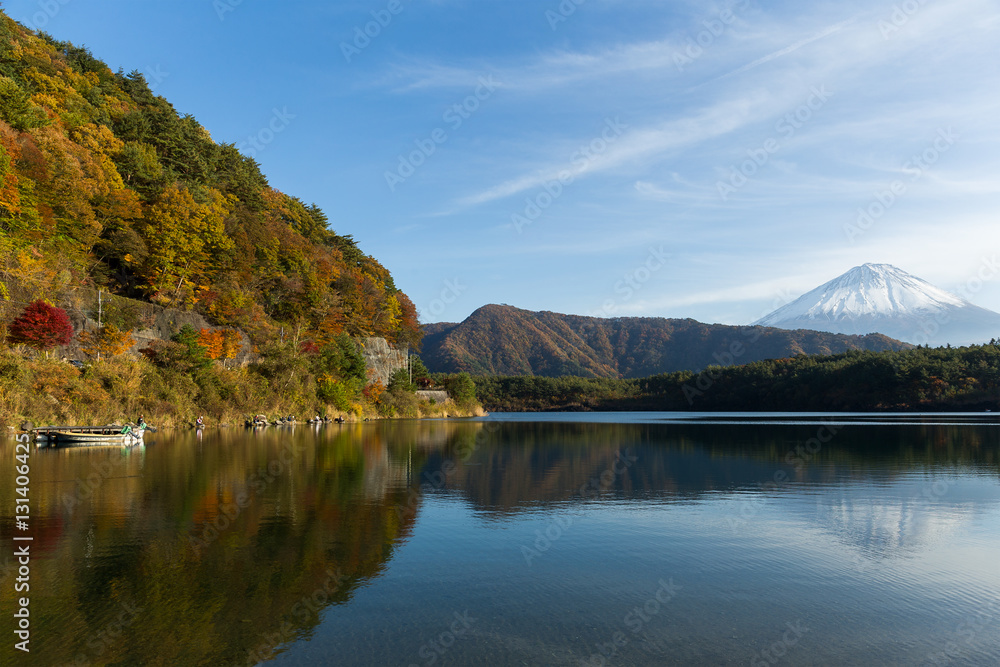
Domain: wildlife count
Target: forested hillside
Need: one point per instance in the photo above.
(502, 340)
(966, 378)
(103, 184)
(106, 189)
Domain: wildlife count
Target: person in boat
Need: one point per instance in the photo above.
(140, 421)
(200, 422)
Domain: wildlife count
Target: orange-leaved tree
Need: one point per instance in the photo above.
(374, 391)
(110, 341)
(212, 341)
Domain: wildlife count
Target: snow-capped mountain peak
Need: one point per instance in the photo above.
(869, 289)
(882, 298)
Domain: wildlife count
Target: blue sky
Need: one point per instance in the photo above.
(611, 157)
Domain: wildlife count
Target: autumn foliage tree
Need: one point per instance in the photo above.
(41, 326)
(374, 391)
(184, 238)
(220, 344)
(232, 344)
(211, 340)
(104, 184)
(110, 341)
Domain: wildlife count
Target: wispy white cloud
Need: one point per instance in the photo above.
(826, 32)
(689, 129)
(638, 144)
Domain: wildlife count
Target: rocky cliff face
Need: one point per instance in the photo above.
(381, 359)
(151, 323)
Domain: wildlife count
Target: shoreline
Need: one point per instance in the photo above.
(461, 414)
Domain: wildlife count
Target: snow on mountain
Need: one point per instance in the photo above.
(882, 298)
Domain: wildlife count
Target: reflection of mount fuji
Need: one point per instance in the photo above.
(532, 466)
(898, 519)
(871, 492)
(867, 500)
(329, 522)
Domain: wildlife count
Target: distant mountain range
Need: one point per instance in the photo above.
(503, 340)
(882, 298)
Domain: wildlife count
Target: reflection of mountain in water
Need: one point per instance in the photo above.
(330, 517)
(899, 518)
(879, 489)
(527, 466)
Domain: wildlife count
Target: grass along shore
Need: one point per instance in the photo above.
(117, 390)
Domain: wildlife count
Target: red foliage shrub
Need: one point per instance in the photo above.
(41, 326)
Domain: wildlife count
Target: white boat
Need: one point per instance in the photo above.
(93, 436)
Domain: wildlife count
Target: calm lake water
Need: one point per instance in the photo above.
(622, 539)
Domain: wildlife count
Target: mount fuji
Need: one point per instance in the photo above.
(882, 298)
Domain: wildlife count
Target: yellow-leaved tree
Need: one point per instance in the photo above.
(232, 344)
(187, 241)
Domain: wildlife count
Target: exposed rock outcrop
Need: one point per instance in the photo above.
(381, 359)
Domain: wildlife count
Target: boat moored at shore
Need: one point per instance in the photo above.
(90, 436)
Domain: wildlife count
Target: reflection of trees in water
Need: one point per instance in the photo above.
(287, 539)
(122, 535)
(876, 485)
(524, 465)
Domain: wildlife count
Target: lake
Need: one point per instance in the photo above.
(553, 539)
